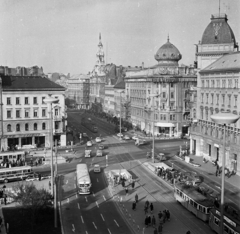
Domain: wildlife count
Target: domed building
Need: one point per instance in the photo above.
(158, 94)
(218, 63)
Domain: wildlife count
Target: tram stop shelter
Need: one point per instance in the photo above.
(116, 175)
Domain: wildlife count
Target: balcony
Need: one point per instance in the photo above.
(57, 118)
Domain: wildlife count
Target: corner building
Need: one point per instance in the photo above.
(167, 113)
(218, 62)
(25, 117)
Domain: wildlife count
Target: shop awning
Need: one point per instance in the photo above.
(169, 125)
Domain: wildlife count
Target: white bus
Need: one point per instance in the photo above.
(15, 173)
(83, 179)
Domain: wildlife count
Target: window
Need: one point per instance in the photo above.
(43, 112)
(18, 127)
(229, 100)
(35, 113)
(223, 99)
(26, 127)
(212, 98)
(9, 128)
(26, 113)
(164, 95)
(43, 100)
(17, 101)
(56, 112)
(172, 94)
(202, 96)
(35, 126)
(235, 100)
(9, 114)
(26, 101)
(218, 83)
(217, 99)
(202, 83)
(8, 101)
(223, 83)
(229, 83)
(17, 113)
(207, 83)
(43, 126)
(34, 100)
(171, 85)
(207, 98)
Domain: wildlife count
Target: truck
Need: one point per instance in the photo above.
(139, 142)
(89, 124)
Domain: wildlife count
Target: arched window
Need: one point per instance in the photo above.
(43, 126)
(18, 127)
(35, 126)
(26, 127)
(9, 128)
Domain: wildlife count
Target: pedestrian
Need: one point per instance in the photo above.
(160, 228)
(160, 215)
(133, 185)
(126, 189)
(188, 232)
(149, 220)
(147, 203)
(39, 176)
(164, 216)
(146, 210)
(151, 208)
(155, 231)
(134, 205)
(5, 199)
(49, 185)
(123, 183)
(136, 198)
(153, 221)
(146, 221)
(168, 215)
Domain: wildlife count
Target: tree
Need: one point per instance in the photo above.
(33, 201)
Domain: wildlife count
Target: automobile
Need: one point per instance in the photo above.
(84, 134)
(96, 168)
(134, 138)
(32, 177)
(124, 129)
(101, 147)
(126, 137)
(139, 142)
(88, 153)
(120, 134)
(98, 139)
(99, 153)
(89, 143)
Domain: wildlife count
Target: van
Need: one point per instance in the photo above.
(99, 153)
(96, 168)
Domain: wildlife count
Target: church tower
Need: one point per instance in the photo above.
(100, 53)
(218, 39)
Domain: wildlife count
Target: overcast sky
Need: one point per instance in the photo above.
(62, 35)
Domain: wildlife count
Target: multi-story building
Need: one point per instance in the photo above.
(217, 91)
(24, 116)
(97, 81)
(21, 71)
(78, 90)
(158, 94)
(119, 99)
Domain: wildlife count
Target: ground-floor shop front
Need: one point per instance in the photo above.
(28, 141)
(212, 150)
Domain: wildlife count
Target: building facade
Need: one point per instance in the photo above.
(78, 90)
(25, 118)
(21, 71)
(158, 95)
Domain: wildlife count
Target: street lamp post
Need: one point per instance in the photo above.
(120, 122)
(50, 100)
(224, 118)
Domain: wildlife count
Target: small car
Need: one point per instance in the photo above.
(99, 153)
(98, 139)
(126, 137)
(89, 143)
(88, 153)
(32, 177)
(96, 168)
(134, 138)
(84, 134)
(101, 147)
(120, 134)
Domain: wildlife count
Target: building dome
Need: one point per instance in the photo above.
(168, 53)
(218, 31)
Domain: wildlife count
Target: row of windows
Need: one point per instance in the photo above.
(209, 99)
(26, 127)
(199, 207)
(226, 228)
(228, 83)
(26, 100)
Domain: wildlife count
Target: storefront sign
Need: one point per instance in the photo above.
(24, 135)
(226, 219)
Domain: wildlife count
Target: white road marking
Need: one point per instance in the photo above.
(104, 198)
(76, 196)
(109, 231)
(68, 200)
(86, 232)
(82, 219)
(73, 228)
(94, 225)
(102, 217)
(66, 181)
(97, 180)
(97, 204)
(79, 206)
(86, 199)
(116, 222)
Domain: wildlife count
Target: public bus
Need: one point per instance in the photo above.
(193, 200)
(231, 219)
(15, 173)
(83, 179)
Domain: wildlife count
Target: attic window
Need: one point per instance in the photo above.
(172, 55)
(216, 37)
(235, 60)
(223, 62)
(164, 55)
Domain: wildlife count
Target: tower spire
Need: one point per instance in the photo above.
(168, 38)
(219, 7)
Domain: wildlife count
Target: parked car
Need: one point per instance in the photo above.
(84, 134)
(88, 153)
(139, 142)
(99, 153)
(120, 134)
(134, 138)
(101, 147)
(89, 143)
(32, 177)
(96, 168)
(98, 139)
(126, 137)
